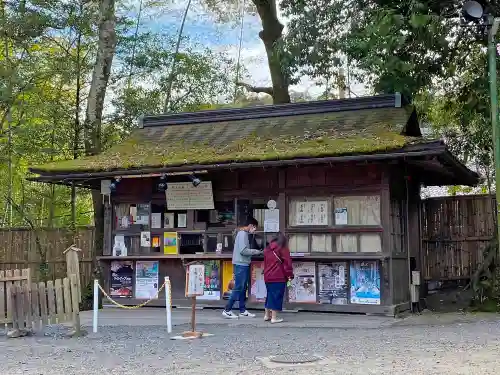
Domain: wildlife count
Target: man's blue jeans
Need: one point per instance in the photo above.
(239, 293)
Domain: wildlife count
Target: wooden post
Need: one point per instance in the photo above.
(75, 307)
(193, 314)
(73, 266)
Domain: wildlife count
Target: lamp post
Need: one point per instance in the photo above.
(474, 11)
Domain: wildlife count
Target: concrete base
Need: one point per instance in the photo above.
(208, 317)
(382, 310)
(195, 335)
(267, 362)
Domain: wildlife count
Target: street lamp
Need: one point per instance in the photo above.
(474, 11)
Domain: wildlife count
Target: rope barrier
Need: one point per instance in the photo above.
(168, 302)
(137, 306)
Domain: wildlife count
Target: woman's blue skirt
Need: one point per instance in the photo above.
(275, 294)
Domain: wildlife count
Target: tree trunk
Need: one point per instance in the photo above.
(95, 101)
(271, 35)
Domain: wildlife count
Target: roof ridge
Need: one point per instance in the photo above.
(276, 110)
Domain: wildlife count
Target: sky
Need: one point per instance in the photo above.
(202, 28)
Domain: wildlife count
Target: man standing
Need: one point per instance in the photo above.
(242, 256)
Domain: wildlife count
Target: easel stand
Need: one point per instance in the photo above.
(193, 333)
(195, 276)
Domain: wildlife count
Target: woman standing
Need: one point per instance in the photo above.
(277, 271)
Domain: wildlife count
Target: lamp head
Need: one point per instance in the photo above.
(472, 11)
(194, 180)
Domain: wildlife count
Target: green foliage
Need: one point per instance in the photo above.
(416, 47)
(201, 78)
(47, 53)
(485, 282)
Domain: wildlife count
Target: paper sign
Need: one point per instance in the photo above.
(185, 196)
(142, 214)
(146, 279)
(170, 243)
(169, 220)
(119, 248)
(195, 280)
(145, 239)
(311, 213)
(156, 221)
(304, 284)
(105, 187)
(341, 216)
(271, 221)
(181, 220)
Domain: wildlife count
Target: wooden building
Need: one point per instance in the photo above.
(341, 178)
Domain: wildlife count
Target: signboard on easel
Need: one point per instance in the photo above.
(195, 280)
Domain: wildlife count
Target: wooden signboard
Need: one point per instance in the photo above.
(195, 280)
(185, 196)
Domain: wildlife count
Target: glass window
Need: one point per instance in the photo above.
(358, 210)
(347, 243)
(321, 243)
(370, 243)
(299, 243)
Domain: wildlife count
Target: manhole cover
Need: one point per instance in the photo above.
(295, 358)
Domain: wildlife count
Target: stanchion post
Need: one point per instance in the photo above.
(96, 304)
(168, 304)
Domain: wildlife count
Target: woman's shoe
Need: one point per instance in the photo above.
(266, 318)
(276, 321)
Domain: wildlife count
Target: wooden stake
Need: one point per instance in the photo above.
(193, 314)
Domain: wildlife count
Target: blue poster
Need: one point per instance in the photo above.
(365, 283)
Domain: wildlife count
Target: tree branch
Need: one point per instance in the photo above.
(256, 89)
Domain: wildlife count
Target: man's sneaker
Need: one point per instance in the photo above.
(247, 314)
(229, 315)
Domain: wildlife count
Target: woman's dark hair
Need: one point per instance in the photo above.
(280, 240)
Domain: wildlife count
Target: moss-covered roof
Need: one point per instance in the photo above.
(277, 138)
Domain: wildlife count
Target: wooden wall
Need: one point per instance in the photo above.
(18, 250)
(455, 230)
(338, 178)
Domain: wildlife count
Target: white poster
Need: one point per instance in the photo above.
(119, 248)
(195, 280)
(169, 220)
(145, 239)
(272, 221)
(311, 213)
(146, 279)
(341, 216)
(185, 196)
(304, 284)
(181, 220)
(142, 214)
(156, 220)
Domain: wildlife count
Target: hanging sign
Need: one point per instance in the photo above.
(185, 196)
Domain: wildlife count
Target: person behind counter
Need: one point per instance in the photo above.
(277, 272)
(242, 256)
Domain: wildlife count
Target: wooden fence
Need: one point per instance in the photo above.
(8, 280)
(39, 304)
(18, 250)
(455, 230)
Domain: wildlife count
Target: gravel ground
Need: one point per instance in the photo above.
(470, 348)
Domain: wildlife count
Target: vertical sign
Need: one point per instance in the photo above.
(195, 280)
